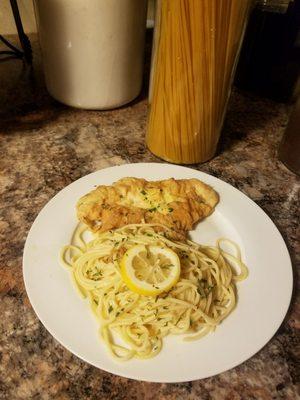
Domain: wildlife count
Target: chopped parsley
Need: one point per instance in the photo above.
(210, 288)
(98, 273)
(203, 288)
(201, 291)
(143, 192)
(171, 209)
(110, 308)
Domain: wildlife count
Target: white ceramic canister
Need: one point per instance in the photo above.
(93, 50)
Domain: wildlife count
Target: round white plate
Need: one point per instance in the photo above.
(263, 298)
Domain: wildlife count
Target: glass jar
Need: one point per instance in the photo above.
(269, 64)
(196, 44)
(289, 149)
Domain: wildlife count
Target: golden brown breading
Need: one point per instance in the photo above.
(178, 204)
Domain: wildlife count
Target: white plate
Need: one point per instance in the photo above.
(263, 298)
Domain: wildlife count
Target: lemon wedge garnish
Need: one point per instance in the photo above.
(150, 270)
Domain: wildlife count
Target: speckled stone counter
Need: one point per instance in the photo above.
(44, 146)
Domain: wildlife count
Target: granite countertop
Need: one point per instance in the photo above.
(46, 146)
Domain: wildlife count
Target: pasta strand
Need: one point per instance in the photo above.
(200, 300)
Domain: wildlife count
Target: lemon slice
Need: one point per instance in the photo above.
(150, 270)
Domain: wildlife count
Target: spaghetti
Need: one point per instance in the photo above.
(195, 49)
(203, 296)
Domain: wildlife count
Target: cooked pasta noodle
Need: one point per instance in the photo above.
(204, 295)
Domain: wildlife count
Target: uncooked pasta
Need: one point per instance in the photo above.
(196, 44)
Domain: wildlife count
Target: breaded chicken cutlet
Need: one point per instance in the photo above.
(177, 204)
